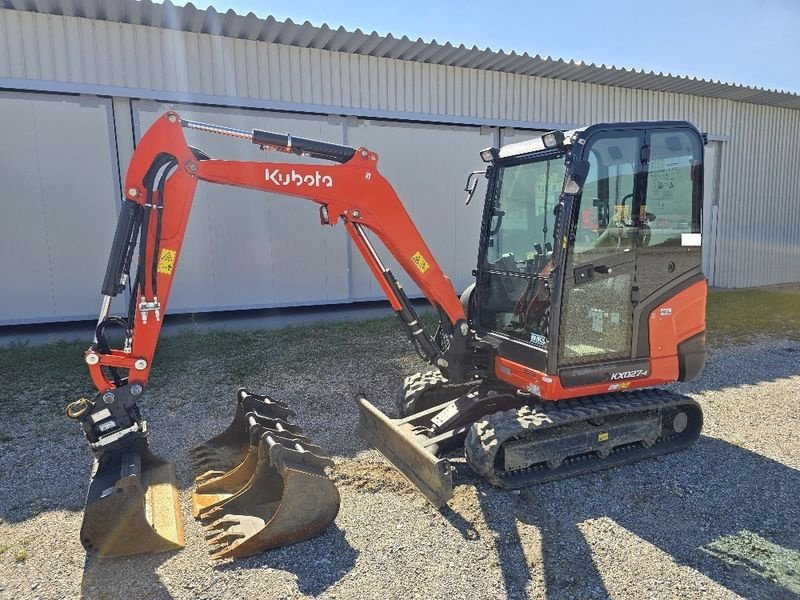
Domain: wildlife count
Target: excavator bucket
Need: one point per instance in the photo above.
(226, 450)
(261, 484)
(132, 506)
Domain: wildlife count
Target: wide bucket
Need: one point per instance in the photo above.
(277, 494)
(225, 451)
(132, 506)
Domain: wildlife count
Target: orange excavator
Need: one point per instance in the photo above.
(588, 293)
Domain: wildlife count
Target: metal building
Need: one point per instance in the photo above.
(80, 80)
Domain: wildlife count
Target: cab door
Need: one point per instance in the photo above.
(600, 277)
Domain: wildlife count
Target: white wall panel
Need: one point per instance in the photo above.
(59, 199)
(427, 165)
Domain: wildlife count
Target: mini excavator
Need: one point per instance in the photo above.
(588, 293)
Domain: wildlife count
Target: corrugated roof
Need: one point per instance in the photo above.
(251, 27)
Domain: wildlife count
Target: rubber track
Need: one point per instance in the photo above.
(487, 436)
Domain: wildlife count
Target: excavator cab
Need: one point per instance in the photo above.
(579, 308)
(588, 290)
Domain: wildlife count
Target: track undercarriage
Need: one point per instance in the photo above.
(514, 439)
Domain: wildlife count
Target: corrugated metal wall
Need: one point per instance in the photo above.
(758, 212)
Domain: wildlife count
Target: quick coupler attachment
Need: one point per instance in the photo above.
(132, 506)
(261, 484)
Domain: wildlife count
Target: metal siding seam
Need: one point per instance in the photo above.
(142, 59)
(116, 55)
(228, 68)
(5, 64)
(30, 60)
(44, 39)
(783, 267)
(251, 70)
(392, 78)
(790, 265)
(794, 200)
(774, 226)
(726, 187)
(742, 242)
(326, 78)
(169, 58)
(284, 73)
(382, 78)
(273, 73)
(754, 217)
(156, 57)
(238, 55)
(306, 76)
(731, 200)
(366, 90)
(60, 52)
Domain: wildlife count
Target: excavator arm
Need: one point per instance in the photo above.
(260, 483)
(159, 191)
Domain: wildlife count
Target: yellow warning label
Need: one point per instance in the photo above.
(420, 261)
(602, 437)
(166, 261)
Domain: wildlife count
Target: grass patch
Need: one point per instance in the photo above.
(743, 316)
(21, 555)
(47, 377)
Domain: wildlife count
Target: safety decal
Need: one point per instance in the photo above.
(166, 261)
(420, 262)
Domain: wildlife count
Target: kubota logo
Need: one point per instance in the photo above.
(298, 179)
(629, 374)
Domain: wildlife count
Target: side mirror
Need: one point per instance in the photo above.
(471, 185)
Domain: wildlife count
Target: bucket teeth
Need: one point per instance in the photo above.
(261, 483)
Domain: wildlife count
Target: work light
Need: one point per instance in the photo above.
(554, 139)
(489, 154)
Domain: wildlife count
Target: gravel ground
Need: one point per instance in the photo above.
(720, 520)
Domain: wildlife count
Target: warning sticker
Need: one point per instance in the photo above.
(166, 261)
(420, 261)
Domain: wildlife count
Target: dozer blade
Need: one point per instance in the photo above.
(415, 456)
(132, 506)
(226, 450)
(277, 494)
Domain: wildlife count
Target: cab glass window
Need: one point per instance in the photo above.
(673, 192)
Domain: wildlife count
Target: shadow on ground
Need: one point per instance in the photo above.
(137, 576)
(312, 561)
(728, 513)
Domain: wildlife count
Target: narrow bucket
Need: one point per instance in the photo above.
(132, 506)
